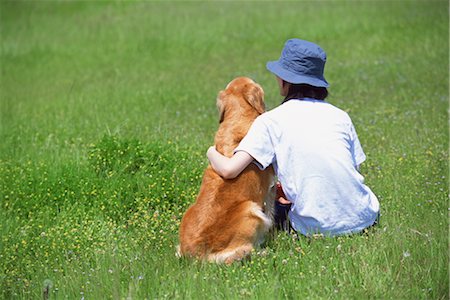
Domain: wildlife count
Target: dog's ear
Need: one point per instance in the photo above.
(221, 105)
(254, 95)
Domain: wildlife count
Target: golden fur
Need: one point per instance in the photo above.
(229, 217)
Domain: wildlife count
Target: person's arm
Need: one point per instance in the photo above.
(228, 167)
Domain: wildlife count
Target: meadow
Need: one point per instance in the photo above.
(108, 108)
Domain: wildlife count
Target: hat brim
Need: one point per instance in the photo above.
(288, 76)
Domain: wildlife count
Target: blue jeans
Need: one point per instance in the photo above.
(281, 216)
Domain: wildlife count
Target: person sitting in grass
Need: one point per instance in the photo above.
(313, 147)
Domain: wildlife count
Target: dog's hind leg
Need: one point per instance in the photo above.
(228, 256)
(178, 252)
(239, 254)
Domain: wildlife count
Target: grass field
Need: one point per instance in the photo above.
(108, 108)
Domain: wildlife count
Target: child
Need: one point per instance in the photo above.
(313, 147)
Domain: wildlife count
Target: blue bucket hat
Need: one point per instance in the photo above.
(300, 62)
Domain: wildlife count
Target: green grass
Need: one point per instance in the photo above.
(107, 109)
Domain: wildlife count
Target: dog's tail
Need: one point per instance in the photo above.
(266, 223)
(256, 211)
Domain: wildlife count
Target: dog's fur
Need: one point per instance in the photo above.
(230, 217)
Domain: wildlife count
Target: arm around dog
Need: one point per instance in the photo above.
(228, 167)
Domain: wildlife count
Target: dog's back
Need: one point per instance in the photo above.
(228, 217)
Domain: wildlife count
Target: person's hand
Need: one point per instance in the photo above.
(209, 152)
(280, 196)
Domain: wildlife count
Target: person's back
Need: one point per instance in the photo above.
(317, 152)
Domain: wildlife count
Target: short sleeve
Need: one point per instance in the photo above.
(258, 144)
(357, 152)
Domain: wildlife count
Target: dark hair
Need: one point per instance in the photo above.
(299, 91)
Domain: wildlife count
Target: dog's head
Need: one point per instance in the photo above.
(241, 94)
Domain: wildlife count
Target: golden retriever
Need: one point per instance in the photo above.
(230, 217)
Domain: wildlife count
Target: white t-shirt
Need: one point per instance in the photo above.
(315, 151)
